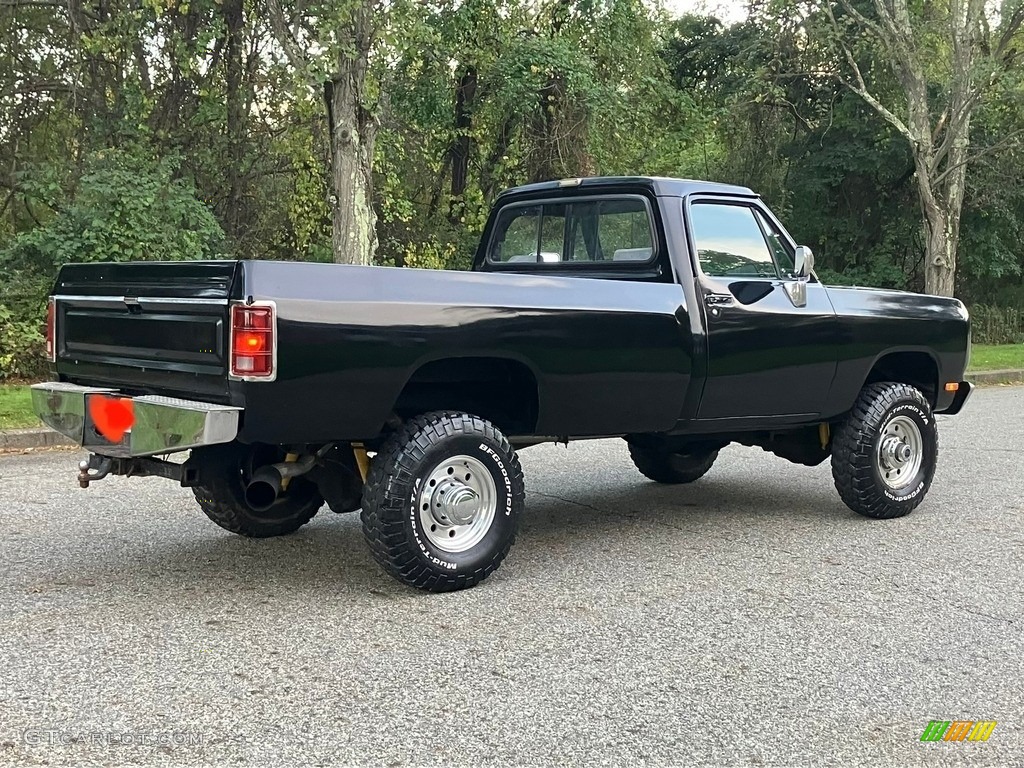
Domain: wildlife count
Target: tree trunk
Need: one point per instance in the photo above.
(351, 126)
(558, 146)
(941, 211)
(940, 251)
(489, 177)
(941, 192)
(233, 216)
(352, 136)
(462, 146)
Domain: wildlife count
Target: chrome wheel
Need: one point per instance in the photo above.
(457, 503)
(900, 452)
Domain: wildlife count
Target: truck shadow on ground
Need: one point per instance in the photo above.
(329, 555)
(706, 500)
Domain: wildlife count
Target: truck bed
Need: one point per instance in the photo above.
(354, 343)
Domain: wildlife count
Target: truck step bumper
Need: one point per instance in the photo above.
(158, 424)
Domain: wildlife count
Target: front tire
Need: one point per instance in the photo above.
(671, 468)
(884, 454)
(442, 501)
(225, 470)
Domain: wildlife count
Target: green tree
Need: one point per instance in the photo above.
(946, 58)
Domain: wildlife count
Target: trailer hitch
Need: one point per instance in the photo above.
(94, 468)
(97, 467)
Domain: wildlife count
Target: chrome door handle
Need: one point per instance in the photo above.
(717, 299)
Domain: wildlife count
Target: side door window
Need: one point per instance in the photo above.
(730, 241)
(783, 258)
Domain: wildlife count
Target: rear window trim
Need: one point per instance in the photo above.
(582, 266)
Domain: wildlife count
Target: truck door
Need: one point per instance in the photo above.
(771, 348)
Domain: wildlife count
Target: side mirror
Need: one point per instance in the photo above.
(803, 262)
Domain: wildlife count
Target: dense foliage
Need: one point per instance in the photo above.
(165, 129)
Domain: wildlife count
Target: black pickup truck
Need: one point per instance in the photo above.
(677, 315)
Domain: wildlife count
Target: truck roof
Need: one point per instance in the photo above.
(659, 185)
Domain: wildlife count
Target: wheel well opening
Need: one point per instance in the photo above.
(500, 390)
(915, 368)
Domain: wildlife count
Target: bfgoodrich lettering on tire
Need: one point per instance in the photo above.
(884, 454)
(442, 501)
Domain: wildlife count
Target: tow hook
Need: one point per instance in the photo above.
(94, 468)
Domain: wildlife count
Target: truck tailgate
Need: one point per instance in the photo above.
(146, 328)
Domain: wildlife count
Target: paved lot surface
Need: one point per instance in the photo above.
(749, 619)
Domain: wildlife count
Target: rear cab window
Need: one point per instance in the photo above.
(613, 231)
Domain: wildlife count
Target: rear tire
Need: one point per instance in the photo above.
(884, 454)
(225, 470)
(671, 468)
(442, 501)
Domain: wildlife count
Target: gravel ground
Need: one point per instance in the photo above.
(749, 619)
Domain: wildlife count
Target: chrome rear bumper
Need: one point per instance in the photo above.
(161, 424)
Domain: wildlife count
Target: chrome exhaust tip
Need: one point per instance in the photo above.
(264, 489)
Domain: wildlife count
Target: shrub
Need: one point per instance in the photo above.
(21, 344)
(996, 325)
(128, 206)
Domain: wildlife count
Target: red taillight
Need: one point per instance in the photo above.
(51, 330)
(247, 341)
(252, 341)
